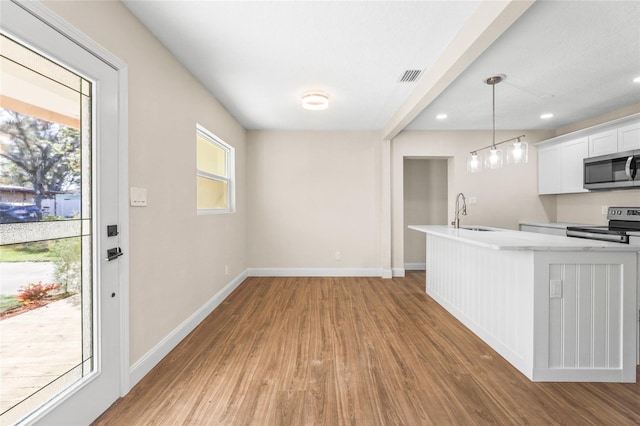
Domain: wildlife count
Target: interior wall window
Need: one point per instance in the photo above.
(215, 174)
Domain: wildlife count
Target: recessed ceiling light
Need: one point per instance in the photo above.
(546, 116)
(315, 101)
(441, 116)
(637, 79)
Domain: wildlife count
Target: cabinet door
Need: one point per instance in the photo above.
(603, 143)
(549, 164)
(573, 152)
(629, 137)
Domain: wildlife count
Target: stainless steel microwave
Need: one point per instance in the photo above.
(612, 171)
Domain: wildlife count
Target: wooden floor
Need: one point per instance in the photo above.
(365, 351)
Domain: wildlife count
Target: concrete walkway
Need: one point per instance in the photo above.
(14, 275)
(36, 347)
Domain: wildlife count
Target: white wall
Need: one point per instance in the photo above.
(504, 197)
(312, 194)
(425, 203)
(587, 207)
(177, 258)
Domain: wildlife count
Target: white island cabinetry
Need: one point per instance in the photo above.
(556, 308)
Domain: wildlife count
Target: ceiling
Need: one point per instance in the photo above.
(574, 59)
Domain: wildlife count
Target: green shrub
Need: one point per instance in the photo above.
(65, 254)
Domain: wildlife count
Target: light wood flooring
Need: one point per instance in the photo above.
(362, 351)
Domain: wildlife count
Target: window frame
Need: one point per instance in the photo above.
(229, 179)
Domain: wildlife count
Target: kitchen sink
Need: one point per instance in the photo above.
(476, 228)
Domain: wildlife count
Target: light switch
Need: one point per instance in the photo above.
(138, 197)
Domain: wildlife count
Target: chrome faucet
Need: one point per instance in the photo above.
(456, 220)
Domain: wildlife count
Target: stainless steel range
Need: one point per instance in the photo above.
(624, 227)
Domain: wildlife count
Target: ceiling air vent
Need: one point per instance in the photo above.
(410, 76)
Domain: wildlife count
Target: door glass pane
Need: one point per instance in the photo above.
(46, 231)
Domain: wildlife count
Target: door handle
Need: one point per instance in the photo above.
(114, 253)
(631, 173)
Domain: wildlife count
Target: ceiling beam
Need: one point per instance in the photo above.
(483, 28)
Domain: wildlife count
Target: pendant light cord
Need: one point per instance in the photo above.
(493, 86)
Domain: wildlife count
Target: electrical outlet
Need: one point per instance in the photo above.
(472, 201)
(338, 256)
(555, 289)
(226, 269)
(605, 210)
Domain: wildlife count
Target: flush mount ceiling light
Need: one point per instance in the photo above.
(315, 101)
(441, 116)
(494, 158)
(546, 116)
(637, 79)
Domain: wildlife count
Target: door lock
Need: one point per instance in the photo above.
(112, 230)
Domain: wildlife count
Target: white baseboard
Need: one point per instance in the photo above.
(149, 360)
(398, 272)
(315, 272)
(415, 266)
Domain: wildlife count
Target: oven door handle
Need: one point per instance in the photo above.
(631, 172)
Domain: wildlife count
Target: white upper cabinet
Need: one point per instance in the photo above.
(573, 152)
(560, 167)
(603, 143)
(560, 159)
(549, 164)
(629, 137)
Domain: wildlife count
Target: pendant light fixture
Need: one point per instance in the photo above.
(494, 158)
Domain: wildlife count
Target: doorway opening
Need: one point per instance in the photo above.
(425, 203)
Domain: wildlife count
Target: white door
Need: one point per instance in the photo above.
(91, 383)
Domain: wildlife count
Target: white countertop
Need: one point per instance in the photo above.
(503, 239)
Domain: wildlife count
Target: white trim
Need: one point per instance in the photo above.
(72, 33)
(315, 272)
(123, 213)
(149, 360)
(415, 266)
(386, 273)
(607, 375)
(397, 272)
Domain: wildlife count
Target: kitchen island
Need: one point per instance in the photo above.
(556, 308)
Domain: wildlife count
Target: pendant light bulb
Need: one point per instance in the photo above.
(517, 151)
(493, 157)
(474, 161)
